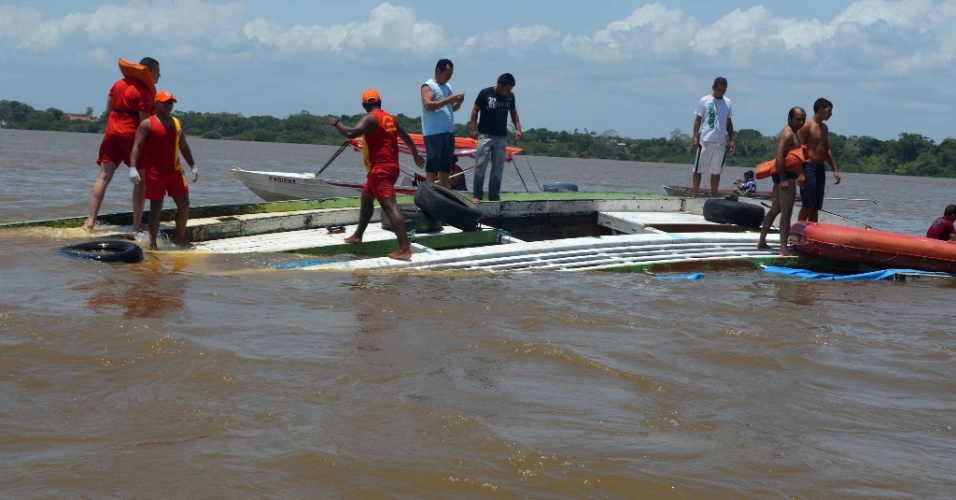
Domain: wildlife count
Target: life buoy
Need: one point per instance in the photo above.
(447, 206)
(733, 212)
(139, 72)
(415, 220)
(559, 187)
(795, 157)
(105, 251)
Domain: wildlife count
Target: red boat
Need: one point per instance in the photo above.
(876, 248)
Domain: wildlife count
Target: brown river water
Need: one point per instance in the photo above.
(196, 376)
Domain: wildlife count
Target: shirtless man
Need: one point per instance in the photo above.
(784, 189)
(812, 181)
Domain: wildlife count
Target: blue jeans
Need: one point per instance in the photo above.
(494, 148)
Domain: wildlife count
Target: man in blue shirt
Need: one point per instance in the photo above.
(438, 123)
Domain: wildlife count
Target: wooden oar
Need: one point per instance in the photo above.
(337, 153)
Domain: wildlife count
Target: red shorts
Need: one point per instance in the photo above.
(380, 182)
(158, 185)
(116, 149)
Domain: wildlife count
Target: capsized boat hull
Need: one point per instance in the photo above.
(880, 249)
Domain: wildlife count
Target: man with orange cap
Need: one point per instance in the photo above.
(130, 102)
(156, 148)
(381, 132)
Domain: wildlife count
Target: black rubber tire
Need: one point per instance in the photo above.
(415, 220)
(733, 212)
(105, 251)
(559, 187)
(447, 206)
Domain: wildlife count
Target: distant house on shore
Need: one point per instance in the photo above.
(76, 117)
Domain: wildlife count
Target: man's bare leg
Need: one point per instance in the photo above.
(99, 192)
(714, 184)
(155, 213)
(365, 215)
(696, 188)
(390, 210)
(182, 216)
(768, 219)
(789, 196)
(139, 202)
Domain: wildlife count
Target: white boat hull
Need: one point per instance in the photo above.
(283, 186)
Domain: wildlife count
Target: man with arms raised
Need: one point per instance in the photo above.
(438, 123)
(712, 128)
(381, 132)
(815, 135)
(784, 181)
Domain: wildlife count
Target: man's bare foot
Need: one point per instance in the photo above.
(401, 254)
(763, 246)
(785, 253)
(353, 239)
(475, 200)
(184, 245)
(139, 229)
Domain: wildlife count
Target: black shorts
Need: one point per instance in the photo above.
(812, 193)
(790, 176)
(439, 152)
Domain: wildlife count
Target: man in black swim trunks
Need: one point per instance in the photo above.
(784, 187)
(813, 179)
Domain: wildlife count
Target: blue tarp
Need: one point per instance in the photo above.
(695, 276)
(875, 275)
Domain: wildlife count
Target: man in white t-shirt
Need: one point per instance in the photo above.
(713, 126)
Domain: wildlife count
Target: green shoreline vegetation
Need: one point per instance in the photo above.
(910, 154)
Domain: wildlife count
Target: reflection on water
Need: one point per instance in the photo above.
(290, 383)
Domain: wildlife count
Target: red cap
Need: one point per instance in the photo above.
(164, 95)
(371, 96)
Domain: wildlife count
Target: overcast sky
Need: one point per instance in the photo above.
(632, 67)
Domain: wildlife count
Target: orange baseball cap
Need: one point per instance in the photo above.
(371, 96)
(164, 95)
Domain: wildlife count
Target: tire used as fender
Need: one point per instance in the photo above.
(447, 206)
(733, 212)
(415, 220)
(105, 251)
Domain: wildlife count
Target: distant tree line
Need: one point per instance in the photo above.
(909, 154)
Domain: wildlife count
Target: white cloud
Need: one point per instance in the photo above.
(389, 30)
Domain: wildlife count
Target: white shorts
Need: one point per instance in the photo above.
(710, 158)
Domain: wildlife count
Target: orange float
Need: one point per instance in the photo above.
(876, 248)
(795, 157)
(139, 72)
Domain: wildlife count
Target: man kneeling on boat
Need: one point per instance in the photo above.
(381, 132)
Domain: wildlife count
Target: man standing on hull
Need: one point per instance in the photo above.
(159, 141)
(815, 134)
(438, 123)
(381, 132)
(784, 181)
(494, 104)
(130, 102)
(712, 128)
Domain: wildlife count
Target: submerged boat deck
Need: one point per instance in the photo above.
(572, 231)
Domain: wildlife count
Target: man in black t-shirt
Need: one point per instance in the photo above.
(494, 104)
